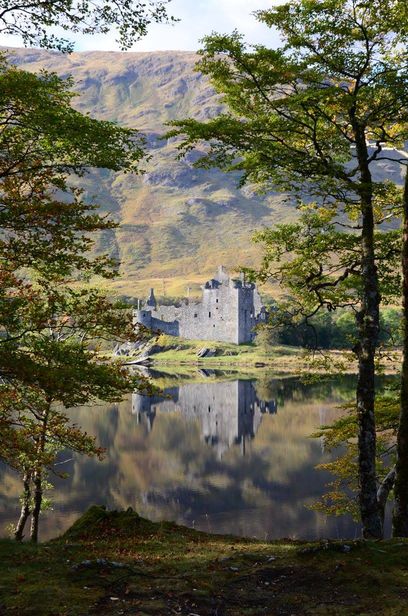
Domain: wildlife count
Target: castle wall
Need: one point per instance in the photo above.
(215, 318)
(227, 313)
(246, 315)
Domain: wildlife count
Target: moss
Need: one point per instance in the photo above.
(97, 522)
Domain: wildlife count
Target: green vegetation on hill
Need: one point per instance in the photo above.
(118, 563)
(177, 223)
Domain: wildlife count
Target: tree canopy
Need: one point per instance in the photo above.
(52, 320)
(37, 22)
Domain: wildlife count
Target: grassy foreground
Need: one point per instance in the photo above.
(120, 564)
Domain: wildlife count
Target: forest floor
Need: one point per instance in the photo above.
(112, 563)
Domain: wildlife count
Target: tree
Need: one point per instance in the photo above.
(33, 21)
(343, 489)
(321, 283)
(45, 222)
(53, 371)
(50, 316)
(302, 118)
(400, 512)
(47, 322)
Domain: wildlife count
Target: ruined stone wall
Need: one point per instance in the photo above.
(227, 313)
(246, 315)
(215, 318)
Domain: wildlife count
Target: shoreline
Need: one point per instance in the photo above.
(279, 360)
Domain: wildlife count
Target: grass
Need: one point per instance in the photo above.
(185, 351)
(249, 358)
(167, 569)
(180, 351)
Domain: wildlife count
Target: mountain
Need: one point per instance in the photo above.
(177, 223)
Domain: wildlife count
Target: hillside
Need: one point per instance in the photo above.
(177, 223)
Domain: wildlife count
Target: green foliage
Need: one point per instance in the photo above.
(314, 117)
(52, 321)
(341, 437)
(319, 268)
(33, 22)
(41, 130)
(288, 123)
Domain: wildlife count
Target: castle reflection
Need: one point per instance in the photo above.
(230, 413)
(189, 468)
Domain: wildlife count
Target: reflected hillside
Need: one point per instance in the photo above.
(231, 456)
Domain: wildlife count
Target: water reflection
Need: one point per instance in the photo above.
(231, 456)
(228, 413)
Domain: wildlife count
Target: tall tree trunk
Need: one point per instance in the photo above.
(368, 322)
(25, 508)
(35, 517)
(38, 476)
(400, 513)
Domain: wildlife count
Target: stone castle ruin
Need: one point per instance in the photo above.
(229, 311)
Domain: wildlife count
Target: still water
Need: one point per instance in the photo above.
(224, 455)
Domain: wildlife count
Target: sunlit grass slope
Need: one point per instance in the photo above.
(177, 223)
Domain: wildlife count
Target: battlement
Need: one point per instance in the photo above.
(229, 311)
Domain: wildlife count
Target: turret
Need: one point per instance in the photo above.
(151, 302)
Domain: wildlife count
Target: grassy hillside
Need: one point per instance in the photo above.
(177, 223)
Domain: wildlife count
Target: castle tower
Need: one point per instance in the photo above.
(151, 302)
(228, 312)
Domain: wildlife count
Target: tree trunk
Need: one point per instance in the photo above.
(38, 476)
(25, 508)
(384, 492)
(35, 517)
(400, 513)
(368, 322)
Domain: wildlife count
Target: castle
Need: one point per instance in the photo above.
(229, 311)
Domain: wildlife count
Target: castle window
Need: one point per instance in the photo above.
(216, 301)
(209, 409)
(214, 325)
(209, 315)
(195, 315)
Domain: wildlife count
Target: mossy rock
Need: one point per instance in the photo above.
(98, 522)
